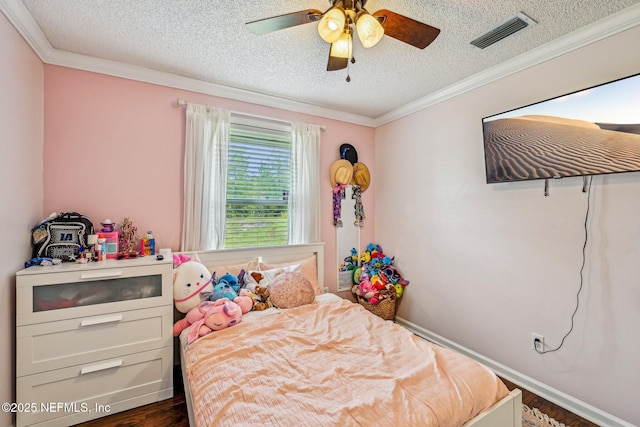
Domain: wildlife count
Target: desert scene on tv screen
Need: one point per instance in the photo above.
(591, 132)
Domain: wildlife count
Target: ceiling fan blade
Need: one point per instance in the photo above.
(336, 63)
(407, 30)
(280, 22)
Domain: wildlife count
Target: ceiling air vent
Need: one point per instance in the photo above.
(503, 30)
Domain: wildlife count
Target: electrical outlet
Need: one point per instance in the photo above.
(537, 342)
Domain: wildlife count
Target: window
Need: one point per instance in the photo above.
(249, 181)
(258, 180)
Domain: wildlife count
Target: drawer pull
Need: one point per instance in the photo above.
(101, 275)
(101, 366)
(101, 320)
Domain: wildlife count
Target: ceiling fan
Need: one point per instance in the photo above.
(336, 26)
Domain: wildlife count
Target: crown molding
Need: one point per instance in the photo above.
(22, 20)
(146, 75)
(618, 22)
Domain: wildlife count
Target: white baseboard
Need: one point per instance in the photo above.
(561, 399)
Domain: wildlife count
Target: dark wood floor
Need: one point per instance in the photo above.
(173, 412)
(559, 414)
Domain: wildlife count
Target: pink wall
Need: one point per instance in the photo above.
(21, 117)
(114, 148)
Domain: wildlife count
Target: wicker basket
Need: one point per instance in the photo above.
(386, 309)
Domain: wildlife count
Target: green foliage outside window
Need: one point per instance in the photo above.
(258, 179)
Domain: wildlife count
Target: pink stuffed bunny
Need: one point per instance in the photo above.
(220, 315)
(191, 317)
(212, 316)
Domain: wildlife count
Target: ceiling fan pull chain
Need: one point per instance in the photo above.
(353, 61)
(348, 76)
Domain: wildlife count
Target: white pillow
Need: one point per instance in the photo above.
(308, 267)
(265, 277)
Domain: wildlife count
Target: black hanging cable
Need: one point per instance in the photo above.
(584, 261)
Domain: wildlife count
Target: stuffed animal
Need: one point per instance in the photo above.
(222, 290)
(350, 262)
(191, 317)
(368, 291)
(257, 276)
(192, 282)
(379, 279)
(244, 300)
(399, 290)
(378, 282)
(235, 282)
(261, 300)
(208, 317)
(220, 315)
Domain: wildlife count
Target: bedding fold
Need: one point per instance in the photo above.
(332, 364)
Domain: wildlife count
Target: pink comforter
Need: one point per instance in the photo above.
(332, 364)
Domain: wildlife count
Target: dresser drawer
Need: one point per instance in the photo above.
(75, 394)
(56, 345)
(46, 294)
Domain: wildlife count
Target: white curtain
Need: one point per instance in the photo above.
(304, 194)
(205, 177)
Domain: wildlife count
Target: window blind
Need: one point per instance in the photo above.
(258, 178)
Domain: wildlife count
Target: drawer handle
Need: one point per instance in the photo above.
(101, 320)
(101, 366)
(101, 275)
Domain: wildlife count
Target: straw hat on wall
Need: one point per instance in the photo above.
(341, 172)
(361, 176)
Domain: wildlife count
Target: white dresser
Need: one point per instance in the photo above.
(92, 339)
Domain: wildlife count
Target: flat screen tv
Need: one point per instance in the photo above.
(589, 132)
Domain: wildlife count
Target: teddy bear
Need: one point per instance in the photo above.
(261, 300)
(209, 316)
(257, 276)
(192, 282)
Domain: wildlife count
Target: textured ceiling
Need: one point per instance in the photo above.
(207, 40)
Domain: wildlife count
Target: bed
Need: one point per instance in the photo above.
(330, 363)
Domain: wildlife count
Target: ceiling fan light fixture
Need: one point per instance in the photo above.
(369, 29)
(343, 47)
(331, 24)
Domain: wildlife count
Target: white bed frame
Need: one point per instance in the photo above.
(505, 413)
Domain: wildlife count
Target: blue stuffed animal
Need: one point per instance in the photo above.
(227, 286)
(231, 280)
(222, 290)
